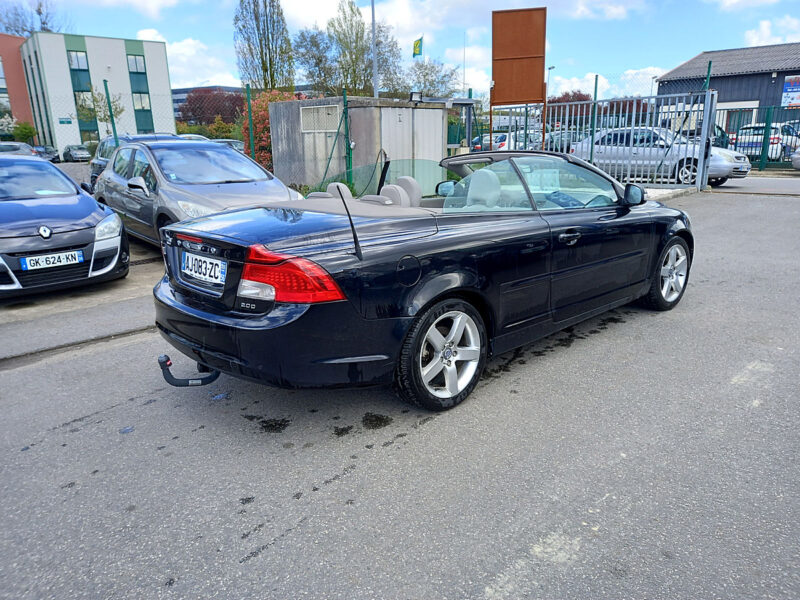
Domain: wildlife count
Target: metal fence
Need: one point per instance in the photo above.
(768, 135)
(656, 140)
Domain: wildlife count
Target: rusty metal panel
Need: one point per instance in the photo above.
(518, 42)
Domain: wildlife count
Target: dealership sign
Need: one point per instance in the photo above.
(791, 92)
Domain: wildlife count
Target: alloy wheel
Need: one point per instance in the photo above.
(673, 273)
(687, 174)
(450, 354)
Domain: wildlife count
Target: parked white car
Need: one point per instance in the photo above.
(796, 159)
(783, 140)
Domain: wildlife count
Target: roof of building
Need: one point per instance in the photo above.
(738, 61)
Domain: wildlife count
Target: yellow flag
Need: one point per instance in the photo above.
(417, 48)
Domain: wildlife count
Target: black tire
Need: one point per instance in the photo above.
(163, 221)
(655, 298)
(408, 376)
(717, 182)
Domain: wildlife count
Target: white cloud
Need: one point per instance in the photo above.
(191, 64)
(305, 14)
(150, 8)
(777, 31)
(476, 33)
(637, 82)
(479, 57)
(559, 85)
(731, 5)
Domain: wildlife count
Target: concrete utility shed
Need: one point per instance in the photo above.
(413, 135)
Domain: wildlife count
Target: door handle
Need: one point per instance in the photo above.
(570, 239)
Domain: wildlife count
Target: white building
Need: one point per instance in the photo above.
(61, 70)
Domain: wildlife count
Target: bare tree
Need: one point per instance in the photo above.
(263, 47)
(24, 17)
(433, 78)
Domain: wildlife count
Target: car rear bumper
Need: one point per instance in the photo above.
(293, 346)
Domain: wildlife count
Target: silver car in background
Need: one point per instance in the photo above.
(153, 184)
(657, 155)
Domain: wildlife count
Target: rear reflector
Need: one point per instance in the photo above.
(294, 279)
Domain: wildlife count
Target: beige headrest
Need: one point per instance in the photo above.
(396, 194)
(412, 188)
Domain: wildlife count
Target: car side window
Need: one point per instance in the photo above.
(644, 139)
(495, 187)
(143, 169)
(557, 184)
(121, 162)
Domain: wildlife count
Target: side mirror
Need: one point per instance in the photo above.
(137, 184)
(445, 188)
(634, 195)
(87, 188)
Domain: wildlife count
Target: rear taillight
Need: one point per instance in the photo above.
(502, 144)
(732, 137)
(283, 278)
(775, 140)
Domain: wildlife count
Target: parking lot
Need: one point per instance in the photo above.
(637, 455)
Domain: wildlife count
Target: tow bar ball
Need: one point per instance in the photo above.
(165, 363)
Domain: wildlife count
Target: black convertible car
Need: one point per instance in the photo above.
(53, 234)
(415, 290)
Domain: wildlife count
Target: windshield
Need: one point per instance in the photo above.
(215, 163)
(33, 179)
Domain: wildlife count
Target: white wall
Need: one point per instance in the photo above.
(57, 88)
(108, 60)
(155, 57)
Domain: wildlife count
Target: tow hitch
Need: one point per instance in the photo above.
(165, 363)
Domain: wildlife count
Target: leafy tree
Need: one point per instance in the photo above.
(94, 106)
(24, 132)
(24, 17)
(391, 76)
(203, 106)
(573, 96)
(261, 131)
(315, 55)
(7, 124)
(348, 32)
(433, 78)
(263, 47)
(220, 129)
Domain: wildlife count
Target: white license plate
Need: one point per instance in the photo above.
(45, 261)
(203, 268)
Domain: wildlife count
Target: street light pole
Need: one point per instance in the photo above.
(374, 56)
(544, 115)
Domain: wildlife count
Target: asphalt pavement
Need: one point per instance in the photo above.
(637, 455)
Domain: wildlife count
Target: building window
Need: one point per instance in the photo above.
(77, 60)
(135, 63)
(84, 101)
(5, 105)
(2, 75)
(141, 102)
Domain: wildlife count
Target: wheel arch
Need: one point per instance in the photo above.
(461, 286)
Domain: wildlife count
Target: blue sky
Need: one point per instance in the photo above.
(625, 41)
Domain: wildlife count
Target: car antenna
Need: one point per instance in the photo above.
(352, 227)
